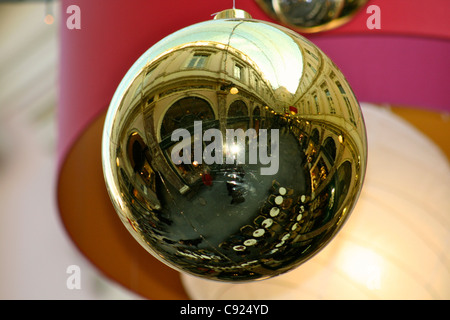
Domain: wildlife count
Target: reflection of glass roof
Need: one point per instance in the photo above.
(278, 56)
(274, 52)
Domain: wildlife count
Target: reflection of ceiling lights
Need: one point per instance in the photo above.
(230, 87)
(234, 90)
(235, 149)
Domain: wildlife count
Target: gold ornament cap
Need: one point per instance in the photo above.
(233, 14)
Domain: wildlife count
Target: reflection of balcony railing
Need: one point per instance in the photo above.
(166, 140)
(184, 88)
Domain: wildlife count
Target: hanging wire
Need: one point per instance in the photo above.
(234, 7)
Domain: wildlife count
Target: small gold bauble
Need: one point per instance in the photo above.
(310, 16)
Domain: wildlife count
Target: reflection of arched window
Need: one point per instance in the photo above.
(238, 109)
(238, 115)
(137, 152)
(329, 147)
(315, 137)
(344, 179)
(136, 149)
(256, 118)
(184, 112)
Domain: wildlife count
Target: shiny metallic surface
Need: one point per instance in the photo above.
(310, 16)
(234, 149)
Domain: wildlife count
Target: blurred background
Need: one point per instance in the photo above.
(35, 251)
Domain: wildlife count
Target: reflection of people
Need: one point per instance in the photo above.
(237, 195)
(230, 187)
(207, 179)
(235, 185)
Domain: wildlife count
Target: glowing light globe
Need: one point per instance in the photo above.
(234, 149)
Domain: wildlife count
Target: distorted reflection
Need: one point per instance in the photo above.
(255, 205)
(312, 15)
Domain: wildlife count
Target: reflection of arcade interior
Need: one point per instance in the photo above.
(284, 221)
(271, 216)
(182, 114)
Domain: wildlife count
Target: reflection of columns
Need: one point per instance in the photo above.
(159, 161)
(222, 111)
(251, 104)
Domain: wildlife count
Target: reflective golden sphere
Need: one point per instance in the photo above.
(234, 149)
(309, 16)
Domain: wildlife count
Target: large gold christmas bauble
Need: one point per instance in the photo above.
(234, 149)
